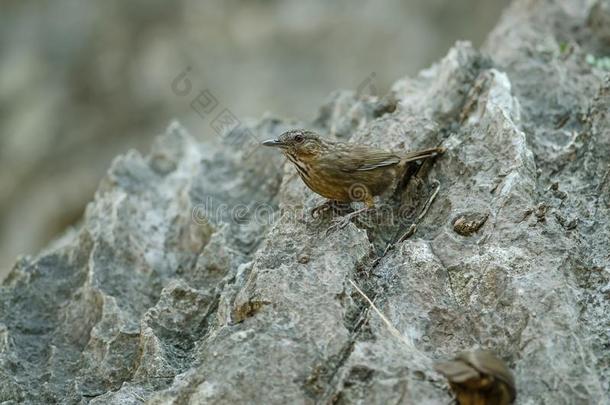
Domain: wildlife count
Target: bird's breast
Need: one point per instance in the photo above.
(327, 181)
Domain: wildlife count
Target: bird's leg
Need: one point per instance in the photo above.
(329, 205)
(342, 222)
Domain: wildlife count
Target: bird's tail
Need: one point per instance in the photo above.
(422, 154)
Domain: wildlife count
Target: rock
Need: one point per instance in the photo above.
(75, 94)
(469, 223)
(198, 275)
(599, 20)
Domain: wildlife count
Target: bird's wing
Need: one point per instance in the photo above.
(364, 158)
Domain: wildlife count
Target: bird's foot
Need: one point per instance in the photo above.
(340, 223)
(329, 205)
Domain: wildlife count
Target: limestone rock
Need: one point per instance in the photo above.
(198, 275)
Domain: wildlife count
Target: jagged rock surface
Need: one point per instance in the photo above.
(197, 275)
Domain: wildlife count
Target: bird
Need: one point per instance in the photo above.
(345, 172)
(479, 377)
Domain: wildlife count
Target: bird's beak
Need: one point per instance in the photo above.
(274, 142)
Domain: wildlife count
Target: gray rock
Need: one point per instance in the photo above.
(81, 83)
(198, 275)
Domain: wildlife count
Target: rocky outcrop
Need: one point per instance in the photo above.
(75, 94)
(198, 276)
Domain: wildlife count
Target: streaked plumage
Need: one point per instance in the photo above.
(345, 172)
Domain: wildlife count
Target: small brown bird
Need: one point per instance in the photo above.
(344, 172)
(479, 378)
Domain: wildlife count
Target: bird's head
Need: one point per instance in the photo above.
(299, 143)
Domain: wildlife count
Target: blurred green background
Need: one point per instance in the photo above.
(83, 81)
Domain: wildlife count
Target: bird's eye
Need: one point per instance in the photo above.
(298, 138)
